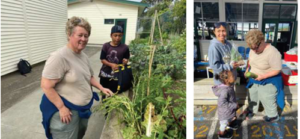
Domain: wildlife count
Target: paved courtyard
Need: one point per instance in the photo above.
(206, 124)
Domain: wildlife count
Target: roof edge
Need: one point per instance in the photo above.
(130, 2)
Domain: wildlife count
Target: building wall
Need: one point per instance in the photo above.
(31, 30)
(95, 12)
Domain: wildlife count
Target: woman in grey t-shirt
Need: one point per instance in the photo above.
(67, 82)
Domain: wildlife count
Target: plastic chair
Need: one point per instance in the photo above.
(247, 52)
(241, 50)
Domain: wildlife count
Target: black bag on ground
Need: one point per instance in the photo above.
(24, 67)
(124, 78)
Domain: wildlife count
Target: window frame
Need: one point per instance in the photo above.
(109, 23)
(242, 2)
(201, 19)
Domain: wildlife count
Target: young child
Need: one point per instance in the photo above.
(227, 104)
(112, 54)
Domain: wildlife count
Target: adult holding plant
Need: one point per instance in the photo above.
(219, 52)
(267, 88)
(67, 81)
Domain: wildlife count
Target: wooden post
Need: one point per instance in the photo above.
(160, 34)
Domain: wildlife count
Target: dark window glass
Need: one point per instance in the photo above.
(271, 11)
(109, 21)
(198, 10)
(288, 12)
(250, 12)
(235, 31)
(211, 11)
(233, 12)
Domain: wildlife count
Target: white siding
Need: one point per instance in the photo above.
(95, 12)
(30, 30)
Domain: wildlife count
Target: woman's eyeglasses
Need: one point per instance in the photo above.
(217, 25)
(256, 48)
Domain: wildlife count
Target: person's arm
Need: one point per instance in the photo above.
(126, 57)
(247, 68)
(268, 75)
(47, 86)
(100, 87)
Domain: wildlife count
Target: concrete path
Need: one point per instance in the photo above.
(22, 120)
(206, 124)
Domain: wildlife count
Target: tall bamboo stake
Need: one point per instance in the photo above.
(160, 34)
(152, 48)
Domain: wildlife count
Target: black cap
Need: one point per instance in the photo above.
(116, 29)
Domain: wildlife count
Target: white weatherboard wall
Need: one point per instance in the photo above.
(31, 30)
(98, 10)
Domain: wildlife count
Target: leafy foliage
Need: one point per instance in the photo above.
(163, 112)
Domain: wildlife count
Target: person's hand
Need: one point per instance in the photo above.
(65, 115)
(125, 61)
(107, 92)
(260, 77)
(114, 66)
(245, 75)
(235, 65)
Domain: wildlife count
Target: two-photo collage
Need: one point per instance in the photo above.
(122, 69)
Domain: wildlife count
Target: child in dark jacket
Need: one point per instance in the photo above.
(227, 104)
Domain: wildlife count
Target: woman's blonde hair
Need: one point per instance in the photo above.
(254, 37)
(77, 21)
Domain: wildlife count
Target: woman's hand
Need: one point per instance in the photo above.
(65, 115)
(125, 61)
(260, 77)
(114, 66)
(107, 92)
(235, 65)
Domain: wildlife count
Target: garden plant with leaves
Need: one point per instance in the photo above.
(157, 108)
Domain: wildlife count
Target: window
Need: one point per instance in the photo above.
(211, 11)
(206, 14)
(109, 21)
(283, 27)
(233, 12)
(288, 11)
(241, 18)
(271, 11)
(250, 12)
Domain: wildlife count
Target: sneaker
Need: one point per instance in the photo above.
(271, 119)
(233, 125)
(227, 135)
(247, 115)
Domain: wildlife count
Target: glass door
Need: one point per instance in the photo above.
(270, 32)
(284, 36)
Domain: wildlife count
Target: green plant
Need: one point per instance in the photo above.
(159, 97)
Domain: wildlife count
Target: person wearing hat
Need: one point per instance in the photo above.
(112, 54)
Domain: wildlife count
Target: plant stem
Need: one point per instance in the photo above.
(165, 95)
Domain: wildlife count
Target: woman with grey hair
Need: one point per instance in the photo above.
(267, 88)
(67, 81)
